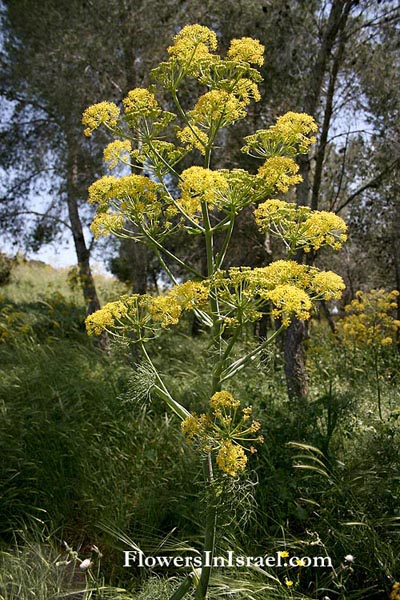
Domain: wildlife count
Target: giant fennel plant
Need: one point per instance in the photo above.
(158, 198)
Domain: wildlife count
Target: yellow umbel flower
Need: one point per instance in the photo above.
(192, 47)
(103, 113)
(105, 223)
(295, 129)
(140, 104)
(247, 50)
(327, 285)
(368, 320)
(395, 593)
(231, 458)
(102, 190)
(217, 108)
(191, 294)
(246, 90)
(279, 173)
(116, 152)
(109, 316)
(223, 400)
(324, 228)
(199, 184)
(299, 226)
(164, 310)
(289, 301)
(195, 427)
(193, 137)
(281, 272)
(291, 135)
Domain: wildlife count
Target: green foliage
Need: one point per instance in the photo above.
(5, 268)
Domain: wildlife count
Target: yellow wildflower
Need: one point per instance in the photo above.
(246, 90)
(289, 301)
(193, 137)
(107, 317)
(106, 223)
(103, 113)
(247, 50)
(288, 582)
(291, 135)
(101, 191)
(328, 285)
(218, 108)
(116, 151)
(195, 427)
(300, 226)
(231, 458)
(199, 184)
(279, 173)
(140, 104)
(223, 400)
(294, 129)
(164, 310)
(190, 294)
(192, 46)
(283, 553)
(281, 272)
(395, 593)
(324, 228)
(368, 320)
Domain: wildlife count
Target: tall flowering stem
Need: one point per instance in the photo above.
(162, 199)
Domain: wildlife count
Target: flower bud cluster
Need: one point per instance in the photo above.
(225, 431)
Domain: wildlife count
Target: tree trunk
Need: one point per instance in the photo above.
(295, 366)
(396, 257)
(81, 249)
(294, 352)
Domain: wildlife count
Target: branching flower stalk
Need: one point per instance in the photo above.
(145, 209)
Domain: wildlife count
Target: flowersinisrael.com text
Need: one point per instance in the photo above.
(279, 559)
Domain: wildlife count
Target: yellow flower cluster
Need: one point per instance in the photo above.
(193, 137)
(164, 310)
(368, 320)
(111, 315)
(246, 90)
(247, 50)
(105, 223)
(224, 430)
(201, 185)
(299, 226)
(231, 458)
(134, 197)
(328, 285)
(148, 312)
(140, 104)
(291, 135)
(191, 294)
(193, 46)
(223, 400)
(289, 286)
(216, 109)
(103, 113)
(395, 593)
(279, 173)
(289, 301)
(117, 151)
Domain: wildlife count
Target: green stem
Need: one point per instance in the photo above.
(378, 386)
(221, 256)
(209, 537)
(162, 390)
(238, 365)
